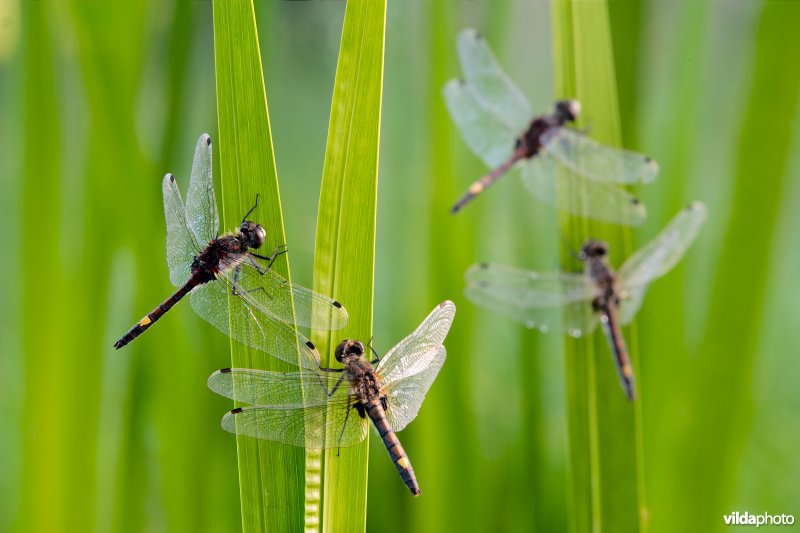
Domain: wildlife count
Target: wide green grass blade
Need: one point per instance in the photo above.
(270, 475)
(345, 245)
(606, 488)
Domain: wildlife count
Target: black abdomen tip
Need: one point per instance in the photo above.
(337, 304)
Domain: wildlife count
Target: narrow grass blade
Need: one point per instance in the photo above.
(345, 245)
(270, 475)
(606, 489)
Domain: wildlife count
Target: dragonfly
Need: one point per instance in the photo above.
(314, 409)
(209, 267)
(499, 126)
(597, 294)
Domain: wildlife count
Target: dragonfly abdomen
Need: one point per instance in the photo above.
(150, 318)
(393, 446)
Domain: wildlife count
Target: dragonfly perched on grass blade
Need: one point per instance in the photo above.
(598, 294)
(315, 409)
(210, 267)
(498, 124)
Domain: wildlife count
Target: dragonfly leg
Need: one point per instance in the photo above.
(346, 417)
(335, 387)
(278, 251)
(251, 209)
(236, 291)
(377, 357)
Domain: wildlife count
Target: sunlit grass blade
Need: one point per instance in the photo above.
(270, 475)
(345, 244)
(606, 489)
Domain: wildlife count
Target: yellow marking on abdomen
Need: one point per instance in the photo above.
(403, 461)
(476, 187)
(627, 371)
(145, 321)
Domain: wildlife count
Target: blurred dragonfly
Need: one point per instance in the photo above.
(314, 409)
(495, 119)
(210, 267)
(601, 294)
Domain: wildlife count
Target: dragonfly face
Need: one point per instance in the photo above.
(252, 235)
(211, 268)
(576, 302)
(593, 249)
(347, 350)
(567, 110)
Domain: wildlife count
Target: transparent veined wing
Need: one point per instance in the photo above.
(547, 302)
(284, 389)
(332, 425)
(596, 161)
(629, 304)
(543, 175)
(414, 353)
(182, 247)
(495, 90)
(201, 205)
(250, 326)
(272, 294)
(661, 254)
(488, 136)
(405, 395)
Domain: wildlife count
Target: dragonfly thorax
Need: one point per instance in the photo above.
(252, 235)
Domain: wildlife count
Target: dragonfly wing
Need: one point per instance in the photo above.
(629, 304)
(543, 175)
(405, 395)
(182, 247)
(660, 255)
(487, 135)
(415, 353)
(249, 325)
(278, 389)
(495, 90)
(596, 161)
(332, 425)
(272, 294)
(201, 205)
(558, 301)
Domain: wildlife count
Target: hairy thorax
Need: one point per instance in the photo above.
(364, 381)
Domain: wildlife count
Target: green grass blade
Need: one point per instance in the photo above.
(345, 245)
(606, 488)
(270, 475)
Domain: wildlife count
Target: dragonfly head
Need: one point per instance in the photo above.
(252, 235)
(347, 349)
(592, 249)
(568, 110)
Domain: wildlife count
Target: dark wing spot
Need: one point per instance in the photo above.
(337, 304)
(461, 82)
(236, 411)
(208, 140)
(483, 265)
(311, 345)
(478, 36)
(648, 159)
(635, 201)
(171, 178)
(225, 371)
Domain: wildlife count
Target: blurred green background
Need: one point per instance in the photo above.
(99, 100)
